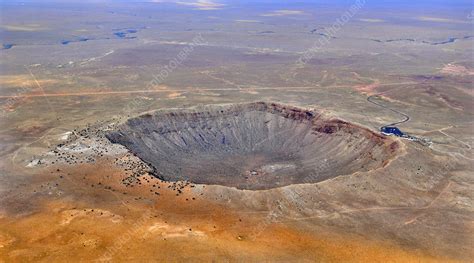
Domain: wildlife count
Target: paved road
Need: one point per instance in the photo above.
(405, 116)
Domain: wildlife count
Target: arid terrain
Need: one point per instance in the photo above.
(235, 131)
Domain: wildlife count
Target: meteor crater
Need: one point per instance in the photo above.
(253, 146)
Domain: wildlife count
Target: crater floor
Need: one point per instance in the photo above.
(251, 146)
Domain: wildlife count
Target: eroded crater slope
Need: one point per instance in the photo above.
(251, 146)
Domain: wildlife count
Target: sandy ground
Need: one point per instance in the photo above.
(418, 207)
(109, 225)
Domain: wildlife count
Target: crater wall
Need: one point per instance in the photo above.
(252, 146)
